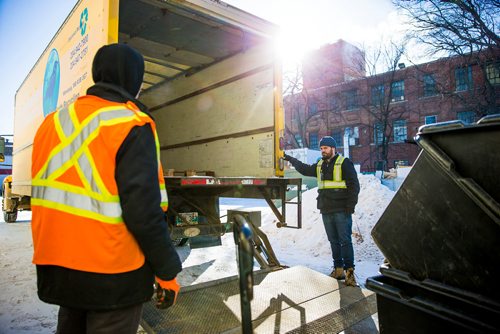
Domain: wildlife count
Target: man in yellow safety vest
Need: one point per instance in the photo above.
(338, 189)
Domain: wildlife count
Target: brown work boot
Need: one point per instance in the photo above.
(338, 273)
(349, 277)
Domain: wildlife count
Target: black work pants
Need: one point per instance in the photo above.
(75, 321)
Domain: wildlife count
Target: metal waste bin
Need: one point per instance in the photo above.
(406, 305)
(444, 222)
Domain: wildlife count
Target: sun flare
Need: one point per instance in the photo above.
(289, 48)
(295, 39)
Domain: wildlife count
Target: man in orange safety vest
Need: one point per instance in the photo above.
(99, 201)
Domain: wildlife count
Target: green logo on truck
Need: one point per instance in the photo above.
(51, 83)
(84, 17)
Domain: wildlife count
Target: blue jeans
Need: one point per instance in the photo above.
(338, 226)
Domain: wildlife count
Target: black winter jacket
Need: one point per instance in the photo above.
(333, 200)
(137, 180)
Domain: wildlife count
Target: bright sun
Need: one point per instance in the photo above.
(294, 40)
(288, 48)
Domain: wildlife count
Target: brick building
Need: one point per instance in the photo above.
(382, 113)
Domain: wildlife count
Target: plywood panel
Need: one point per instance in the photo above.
(240, 106)
(158, 68)
(231, 67)
(244, 156)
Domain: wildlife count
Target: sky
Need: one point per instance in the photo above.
(27, 26)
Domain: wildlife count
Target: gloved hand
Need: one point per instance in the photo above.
(286, 157)
(166, 292)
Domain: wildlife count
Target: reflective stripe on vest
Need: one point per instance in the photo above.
(163, 189)
(337, 182)
(93, 201)
(77, 217)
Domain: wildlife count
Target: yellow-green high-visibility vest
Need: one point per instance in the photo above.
(337, 182)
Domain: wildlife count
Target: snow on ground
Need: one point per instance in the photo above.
(20, 309)
(22, 312)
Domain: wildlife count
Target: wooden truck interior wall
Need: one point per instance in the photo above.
(209, 86)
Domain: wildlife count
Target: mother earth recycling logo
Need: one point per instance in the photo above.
(51, 83)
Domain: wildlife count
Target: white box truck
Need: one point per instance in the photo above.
(212, 83)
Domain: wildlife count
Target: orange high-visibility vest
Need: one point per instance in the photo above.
(77, 218)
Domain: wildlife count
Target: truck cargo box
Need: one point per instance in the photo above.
(211, 81)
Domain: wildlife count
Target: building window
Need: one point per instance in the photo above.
(429, 85)
(463, 78)
(377, 95)
(353, 135)
(398, 91)
(313, 140)
(298, 139)
(430, 119)
(400, 131)
(493, 73)
(378, 133)
(398, 163)
(351, 99)
(338, 135)
(334, 103)
(466, 116)
(313, 108)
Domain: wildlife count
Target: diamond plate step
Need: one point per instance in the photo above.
(294, 300)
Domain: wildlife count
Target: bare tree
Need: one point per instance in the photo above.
(466, 28)
(311, 110)
(455, 26)
(297, 103)
(384, 89)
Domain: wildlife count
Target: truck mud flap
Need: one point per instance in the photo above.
(296, 299)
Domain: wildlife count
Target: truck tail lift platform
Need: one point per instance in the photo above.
(291, 300)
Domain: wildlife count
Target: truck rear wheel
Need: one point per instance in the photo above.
(10, 217)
